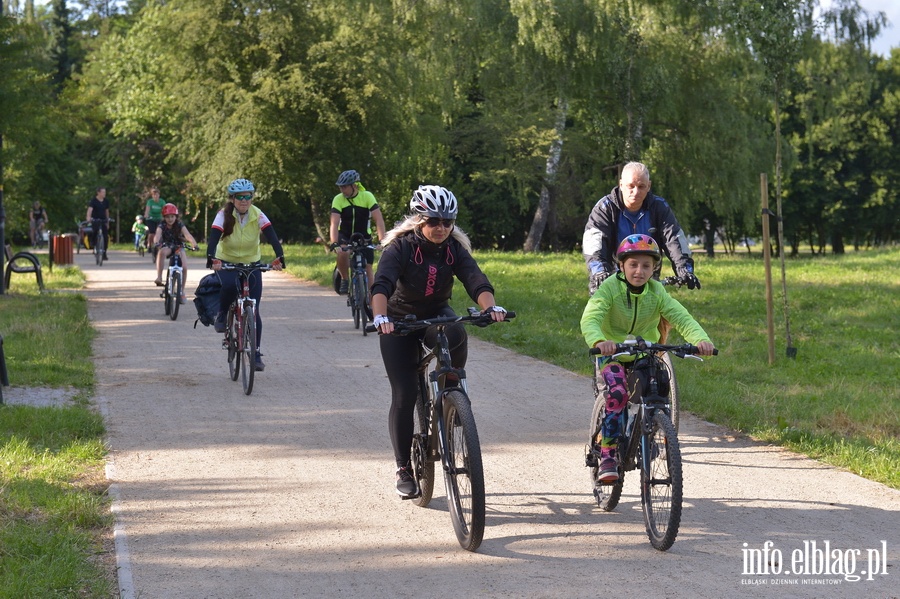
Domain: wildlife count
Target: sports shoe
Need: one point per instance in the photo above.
(183, 300)
(345, 287)
(105, 257)
(609, 470)
(259, 363)
(219, 324)
(406, 484)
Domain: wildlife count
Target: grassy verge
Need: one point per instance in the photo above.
(836, 401)
(54, 514)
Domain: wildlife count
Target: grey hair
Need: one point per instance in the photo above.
(640, 167)
(416, 221)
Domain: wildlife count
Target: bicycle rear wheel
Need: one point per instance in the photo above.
(231, 340)
(177, 290)
(98, 250)
(465, 477)
(661, 484)
(673, 390)
(423, 466)
(248, 348)
(607, 494)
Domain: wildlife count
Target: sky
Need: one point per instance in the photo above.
(889, 38)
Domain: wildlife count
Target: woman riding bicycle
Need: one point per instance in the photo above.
(238, 226)
(630, 303)
(415, 276)
(38, 220)
(170, 237)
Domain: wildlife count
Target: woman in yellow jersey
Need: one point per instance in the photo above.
(235, 238)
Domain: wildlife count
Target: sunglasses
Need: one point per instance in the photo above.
(435, 221)
(243, 198)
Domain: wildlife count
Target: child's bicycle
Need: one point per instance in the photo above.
(358, 295)
(139, 246)
(174, 286)
(649, 441)
(240, 326)
(444, 429)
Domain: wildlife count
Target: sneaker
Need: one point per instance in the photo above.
(345, 287)
(105, 257)
(219, 324)
(183, 300)
(259, 363)
(609, 470)
(406, 484)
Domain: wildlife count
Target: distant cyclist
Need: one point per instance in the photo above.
(38, 220)
(171, 235)
(235, 239)
(421, 257)
(351, 212)
(98, 210)
(140, 231)
(153, 213)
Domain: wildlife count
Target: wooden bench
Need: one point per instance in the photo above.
(23, 262)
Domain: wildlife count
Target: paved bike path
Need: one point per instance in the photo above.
(289, 492)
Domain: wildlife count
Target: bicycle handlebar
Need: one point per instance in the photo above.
(246, 267)
(636, 346)
(411, 324)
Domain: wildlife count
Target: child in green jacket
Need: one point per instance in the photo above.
(630, 304)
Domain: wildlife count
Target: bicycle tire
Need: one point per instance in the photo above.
(248, 349)
(141, 248)
(464, 478)
(177, 290)
(661, 483)
(423, 465)
(673, 391)
(98, 250)
(606, 494)
(166, 295)
(359, 316)
(231, 341)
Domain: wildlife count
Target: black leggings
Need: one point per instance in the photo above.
(401, 359)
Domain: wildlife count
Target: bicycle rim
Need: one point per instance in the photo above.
(177, 290)
(661, 484)
(355, 305)
(606, 494)
(248, 350)
(231, 339)
(361, 296)
(463, 474)
(423, 467)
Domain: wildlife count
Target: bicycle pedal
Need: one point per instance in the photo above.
(590, 460)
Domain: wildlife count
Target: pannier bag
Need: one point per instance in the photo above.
(206, 299)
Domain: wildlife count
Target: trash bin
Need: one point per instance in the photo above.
(62, 249)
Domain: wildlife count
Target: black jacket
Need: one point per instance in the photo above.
(417, 275)
(601, 233)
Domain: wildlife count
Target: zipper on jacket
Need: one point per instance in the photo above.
(635, 313)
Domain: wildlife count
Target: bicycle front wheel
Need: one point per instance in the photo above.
(359, 313)
(607, 494)
(231, 341)
(463, 473)
(423, 465)
(98, 251)
(661, 484)
(177, 290)
(167, 295)
(248, 348)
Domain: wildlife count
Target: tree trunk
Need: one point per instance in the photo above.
(542, 214)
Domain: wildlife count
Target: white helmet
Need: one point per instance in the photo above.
(434, 200)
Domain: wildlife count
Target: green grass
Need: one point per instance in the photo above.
(836, 401)
(54, 511)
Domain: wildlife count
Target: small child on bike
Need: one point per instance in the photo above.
(630, 304)
(139, 229)
(170, 236)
